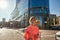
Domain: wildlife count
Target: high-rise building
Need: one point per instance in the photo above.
(37, 8)
(3, 20)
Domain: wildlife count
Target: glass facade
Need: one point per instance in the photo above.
(22, 6)
(23, 12)
(40, 21)
(37, 3)
(38, 8)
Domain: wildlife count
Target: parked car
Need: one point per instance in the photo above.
(55, 27)
(57, 36)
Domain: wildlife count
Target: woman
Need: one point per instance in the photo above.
(32, 31)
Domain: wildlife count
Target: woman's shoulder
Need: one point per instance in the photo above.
(29, 27)
(36, 27)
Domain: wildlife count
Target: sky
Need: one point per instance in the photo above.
(7, 6)
(55, 7)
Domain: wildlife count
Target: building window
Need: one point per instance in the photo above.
(30, 11)
(45, 11)
(40, 11)
(40, 18)
(35, 11)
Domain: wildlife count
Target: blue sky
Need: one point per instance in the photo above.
(5, 13)
(55, 7)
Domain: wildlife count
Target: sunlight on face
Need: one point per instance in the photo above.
(3, 4)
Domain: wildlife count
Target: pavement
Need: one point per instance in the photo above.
(10, 34)
(16, 34)
(48, 34)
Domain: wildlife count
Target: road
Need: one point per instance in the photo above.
(48, 34)
(16, 34)
(10, 34)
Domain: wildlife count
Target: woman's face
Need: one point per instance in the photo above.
(33, 20)
(36, 23)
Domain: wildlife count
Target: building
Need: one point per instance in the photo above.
(0, 24)
(58, 21)
(52, 18)
(27, 8)
(3, 22)
(14, 14)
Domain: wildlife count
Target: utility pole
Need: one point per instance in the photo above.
(43, 17)
(28, 10)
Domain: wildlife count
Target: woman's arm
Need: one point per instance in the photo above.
(26, 34)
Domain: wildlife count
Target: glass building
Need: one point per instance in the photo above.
(37, 8)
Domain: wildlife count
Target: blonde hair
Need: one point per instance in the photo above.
(37, 21)
(32, 17)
